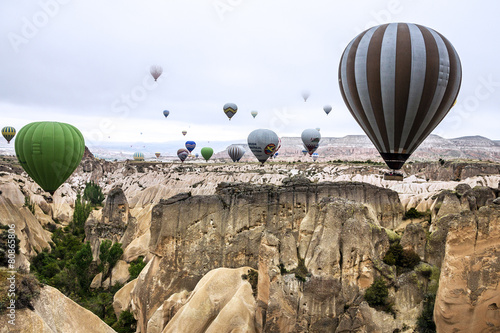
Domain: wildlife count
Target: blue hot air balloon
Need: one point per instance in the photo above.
(190, 145)
(166, 113)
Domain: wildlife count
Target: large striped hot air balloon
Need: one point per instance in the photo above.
(8, 133)
(399, 81)
(230, 109)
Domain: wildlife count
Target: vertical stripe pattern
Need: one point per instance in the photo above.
(399, 81)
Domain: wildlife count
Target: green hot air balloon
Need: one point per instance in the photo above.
(207, 152)
(49, 152)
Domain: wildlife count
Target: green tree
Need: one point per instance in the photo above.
(425, 322)
(80, 215)
(377, 293)
(109, 256)
(81, 264)
(93, 193)
(136, 267)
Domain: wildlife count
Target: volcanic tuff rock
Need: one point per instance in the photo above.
(110, 223)
(54, 312)
(313, 230)
(468, 298)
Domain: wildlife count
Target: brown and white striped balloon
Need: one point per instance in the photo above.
(399, 80)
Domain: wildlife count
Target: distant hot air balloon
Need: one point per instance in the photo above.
(138, 156)
(254, 113)
(230, 109)
(157, 155)
(235, 152)
(156, 71)
(190, 145)
(196, 155)
(304, 152)
(399, 80)
(315, 156)
(276, 154)
(305, 95)
(318, 129)
(310, 138)
(8, 133)
(327, 109)
(182, 154)
(263, 143)
(166, 113)
(206, 152)
(49, 152)
(184, 133)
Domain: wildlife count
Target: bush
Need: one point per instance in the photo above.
(412, 213)
(126, 323)
(401, 258)
(109, 255)
(93, 193)
(425, 322)
(80, 215)
(377, 293)
(253, 279)
(136, 267)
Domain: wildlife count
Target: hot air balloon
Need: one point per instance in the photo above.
(235, 152)
(138, 156)
(275, 154)
(166, 113)
(310, 138)
(8, 133)
(49, 152)
(196, 155)
(318, 129)
(182, 154)
(254, 113)
(184, 133)
(206, 152)
(230, 109)
(190, 145)
(399, 81)
(263, 143)
(156, 71)
(315, 156)
(157, 155)
(327, 109)
(304, 152)
(305, 95)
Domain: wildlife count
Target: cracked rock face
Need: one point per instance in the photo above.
(468, 298)
(316, 247)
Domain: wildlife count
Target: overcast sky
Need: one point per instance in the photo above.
(86, 62)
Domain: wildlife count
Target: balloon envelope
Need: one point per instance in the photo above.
(184, 133)
(327, 109)
(157, 155)
(138, 156)
(399, 81)
(206, 152)
(263, 143)
(305, 95)
(8, 133)
(49, 152)
(190, 145)
(230, 109)
(254, 113)
(235, 152)
(310, 139)
(304, 152)
(166, 113)
(315, 156)
(182, 154)
(156, 71)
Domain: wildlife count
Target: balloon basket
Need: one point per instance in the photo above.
(393, 175)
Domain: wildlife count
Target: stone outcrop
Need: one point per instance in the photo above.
(468, 298)
(316, 246)
(110, 223)
(54, 312)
